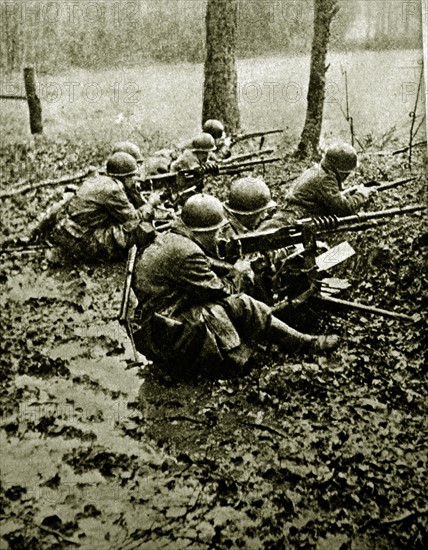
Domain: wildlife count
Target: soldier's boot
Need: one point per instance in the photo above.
(289, 338)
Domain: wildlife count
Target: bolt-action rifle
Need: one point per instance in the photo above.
(377, 186)
(246, 156)
(236, 138)
(23, 245)
(304, 233)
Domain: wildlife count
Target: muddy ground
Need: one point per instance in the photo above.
(297, 452)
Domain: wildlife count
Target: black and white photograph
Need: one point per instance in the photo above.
(214, 251)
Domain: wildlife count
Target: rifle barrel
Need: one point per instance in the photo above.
(396, 183)
(246, 156)
(364, 307)
(381, 187)
(288, 235)
(244, 165)
(331, 222)
(250, 135)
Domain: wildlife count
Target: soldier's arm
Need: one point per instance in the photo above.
(122, 209)
(337, 203)
(196, 276)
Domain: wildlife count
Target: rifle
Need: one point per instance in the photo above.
(246, 156)
(124, 306)
(23, 245)
(307, 283)
(380, 186)
(23, 188)
(244, 166)
(236, 138)
(179, 181)
(413, 145)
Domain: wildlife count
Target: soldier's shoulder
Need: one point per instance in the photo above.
(181, 244)
(101, 181)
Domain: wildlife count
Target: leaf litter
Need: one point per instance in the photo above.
(296, 453)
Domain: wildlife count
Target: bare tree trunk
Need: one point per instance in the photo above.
(220, 99)
(324, 12)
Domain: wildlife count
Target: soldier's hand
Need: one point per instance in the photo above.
(154, 199)
(364, 191)
(211, 167)
(227, 141)
(243, 269)
(198, 172)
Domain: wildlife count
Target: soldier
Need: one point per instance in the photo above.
(101, 221)
(249, 208)
(249, 203)
(189, 319)
(319, 190)
(223, 143)
(130, 148)
(196, 158)
(160, 162)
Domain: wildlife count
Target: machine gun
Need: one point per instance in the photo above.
(176, 183)
(306, 280)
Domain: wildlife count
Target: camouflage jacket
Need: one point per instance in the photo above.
(318, 192)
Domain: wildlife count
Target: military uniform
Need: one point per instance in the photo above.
(186, 161)
(318, 192)
(258, 282)
(188, 317)
(160, 162)
(100, 222)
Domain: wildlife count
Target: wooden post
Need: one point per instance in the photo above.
(34, 105)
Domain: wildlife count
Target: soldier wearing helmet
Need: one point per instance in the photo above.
(223, 143)
(213, 127)
(130, 148)
(189, 319)
(100, 222)
(250, 207)
(248, 204)
(195, 158)
(319, 190)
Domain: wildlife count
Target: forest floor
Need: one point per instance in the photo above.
(325, 452)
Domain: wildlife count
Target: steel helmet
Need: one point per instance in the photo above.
(203, 142)
(121, 164)
(213, 127)
(341, 157)
(249, 196)
(128, 147)
(203, 212)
